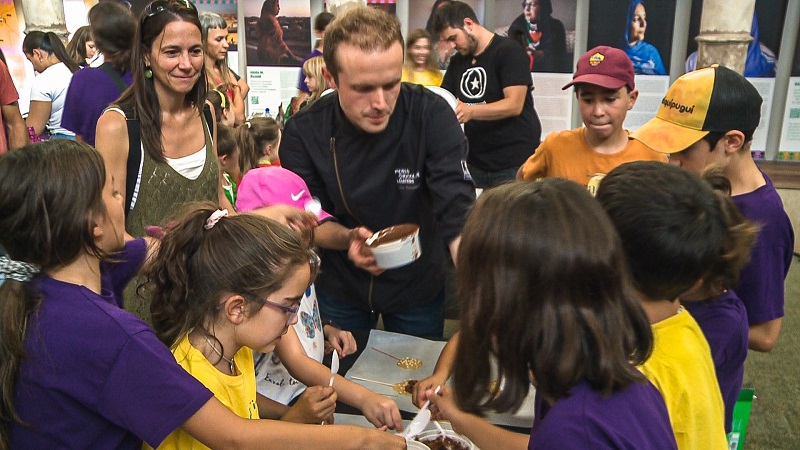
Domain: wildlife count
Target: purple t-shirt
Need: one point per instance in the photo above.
(90, 92)
(633, 418)
(96, 376)
(761, 282)
(301, 82)
(723, 320)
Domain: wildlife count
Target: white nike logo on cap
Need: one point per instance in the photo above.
(296, 197)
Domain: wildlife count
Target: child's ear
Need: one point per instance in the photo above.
(632, 95)
(234, 309)
(734, 141)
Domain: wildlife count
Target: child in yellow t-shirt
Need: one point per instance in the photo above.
(672, 228)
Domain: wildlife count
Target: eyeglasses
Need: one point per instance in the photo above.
(290, 310)
(314, 263)
(526, 5)
(158, 6)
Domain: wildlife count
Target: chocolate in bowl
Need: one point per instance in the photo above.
(444, 443)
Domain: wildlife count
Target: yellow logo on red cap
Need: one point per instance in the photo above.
(596, 59)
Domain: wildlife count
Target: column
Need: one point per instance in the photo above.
(725, 33)
(45, 15)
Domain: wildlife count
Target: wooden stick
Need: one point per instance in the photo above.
(381, 351)
(373, 381)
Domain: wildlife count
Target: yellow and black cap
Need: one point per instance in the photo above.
(714, 99)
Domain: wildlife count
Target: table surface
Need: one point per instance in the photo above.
(377, 366)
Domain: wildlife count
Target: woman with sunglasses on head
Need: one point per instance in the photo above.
(215, 43)
(174, 161)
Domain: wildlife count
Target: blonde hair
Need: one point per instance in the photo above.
(313, 68)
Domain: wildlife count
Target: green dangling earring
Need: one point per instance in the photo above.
(148, 73)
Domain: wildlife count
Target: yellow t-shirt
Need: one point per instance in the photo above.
(427, 78)
(238, 392)
(565, 154)
(682, 369)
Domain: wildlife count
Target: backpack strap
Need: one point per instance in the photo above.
(114, 75)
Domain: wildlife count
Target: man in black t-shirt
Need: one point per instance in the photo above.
(491, 79)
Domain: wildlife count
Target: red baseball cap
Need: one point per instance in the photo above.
(604, 66)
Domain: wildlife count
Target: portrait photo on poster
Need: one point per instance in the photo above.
(545, 28)
(278, 33)
(641, 28)
(766, 30)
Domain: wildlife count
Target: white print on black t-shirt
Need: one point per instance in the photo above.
(473, 82)
(406, 179)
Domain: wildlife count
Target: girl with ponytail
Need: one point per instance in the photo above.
(55, 67)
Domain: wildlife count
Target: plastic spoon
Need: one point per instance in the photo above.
(334, 366)
(421, 420)
(334, 369)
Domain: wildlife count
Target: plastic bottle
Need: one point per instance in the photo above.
(267, 113)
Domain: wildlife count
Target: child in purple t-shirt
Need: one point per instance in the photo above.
(77, 370)
(556, 309)
(708, 117)
(716, 307)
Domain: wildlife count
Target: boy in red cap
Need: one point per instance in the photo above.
(606, 91)
(708, 117)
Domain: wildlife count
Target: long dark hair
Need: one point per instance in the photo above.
(557, 303)
(194, 267)
(48, 194)
(76, 47)
(51, 44)
(113, 29)
(141, 96)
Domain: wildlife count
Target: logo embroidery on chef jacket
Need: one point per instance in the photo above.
(406, 178)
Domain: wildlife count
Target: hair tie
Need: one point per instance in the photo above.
(214, 218)
(248, 124)
(17, 270)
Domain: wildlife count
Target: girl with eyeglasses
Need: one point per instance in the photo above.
(76, 370)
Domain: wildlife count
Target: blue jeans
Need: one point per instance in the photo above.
(485, 180)
(424, 321)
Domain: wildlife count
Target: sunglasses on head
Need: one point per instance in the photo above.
(158, 6)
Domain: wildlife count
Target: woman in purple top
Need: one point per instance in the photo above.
(93, 89)
(76, 370)
(556, 309)
(720, 313)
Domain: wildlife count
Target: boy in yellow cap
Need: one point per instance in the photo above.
(606, 91)
(708, 117)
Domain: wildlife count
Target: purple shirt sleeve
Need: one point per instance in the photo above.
(147, 392)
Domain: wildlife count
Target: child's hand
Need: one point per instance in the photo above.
(443, 406)
(339, 340)
(315, 405)
(382, 411)
(418, 397)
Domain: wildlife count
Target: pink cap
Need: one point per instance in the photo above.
(606, 67)
(273, 185)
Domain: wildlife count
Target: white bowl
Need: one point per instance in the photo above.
(395, 246)
(433, 434)
(416, 445)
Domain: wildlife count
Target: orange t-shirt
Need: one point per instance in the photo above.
(566, 154)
